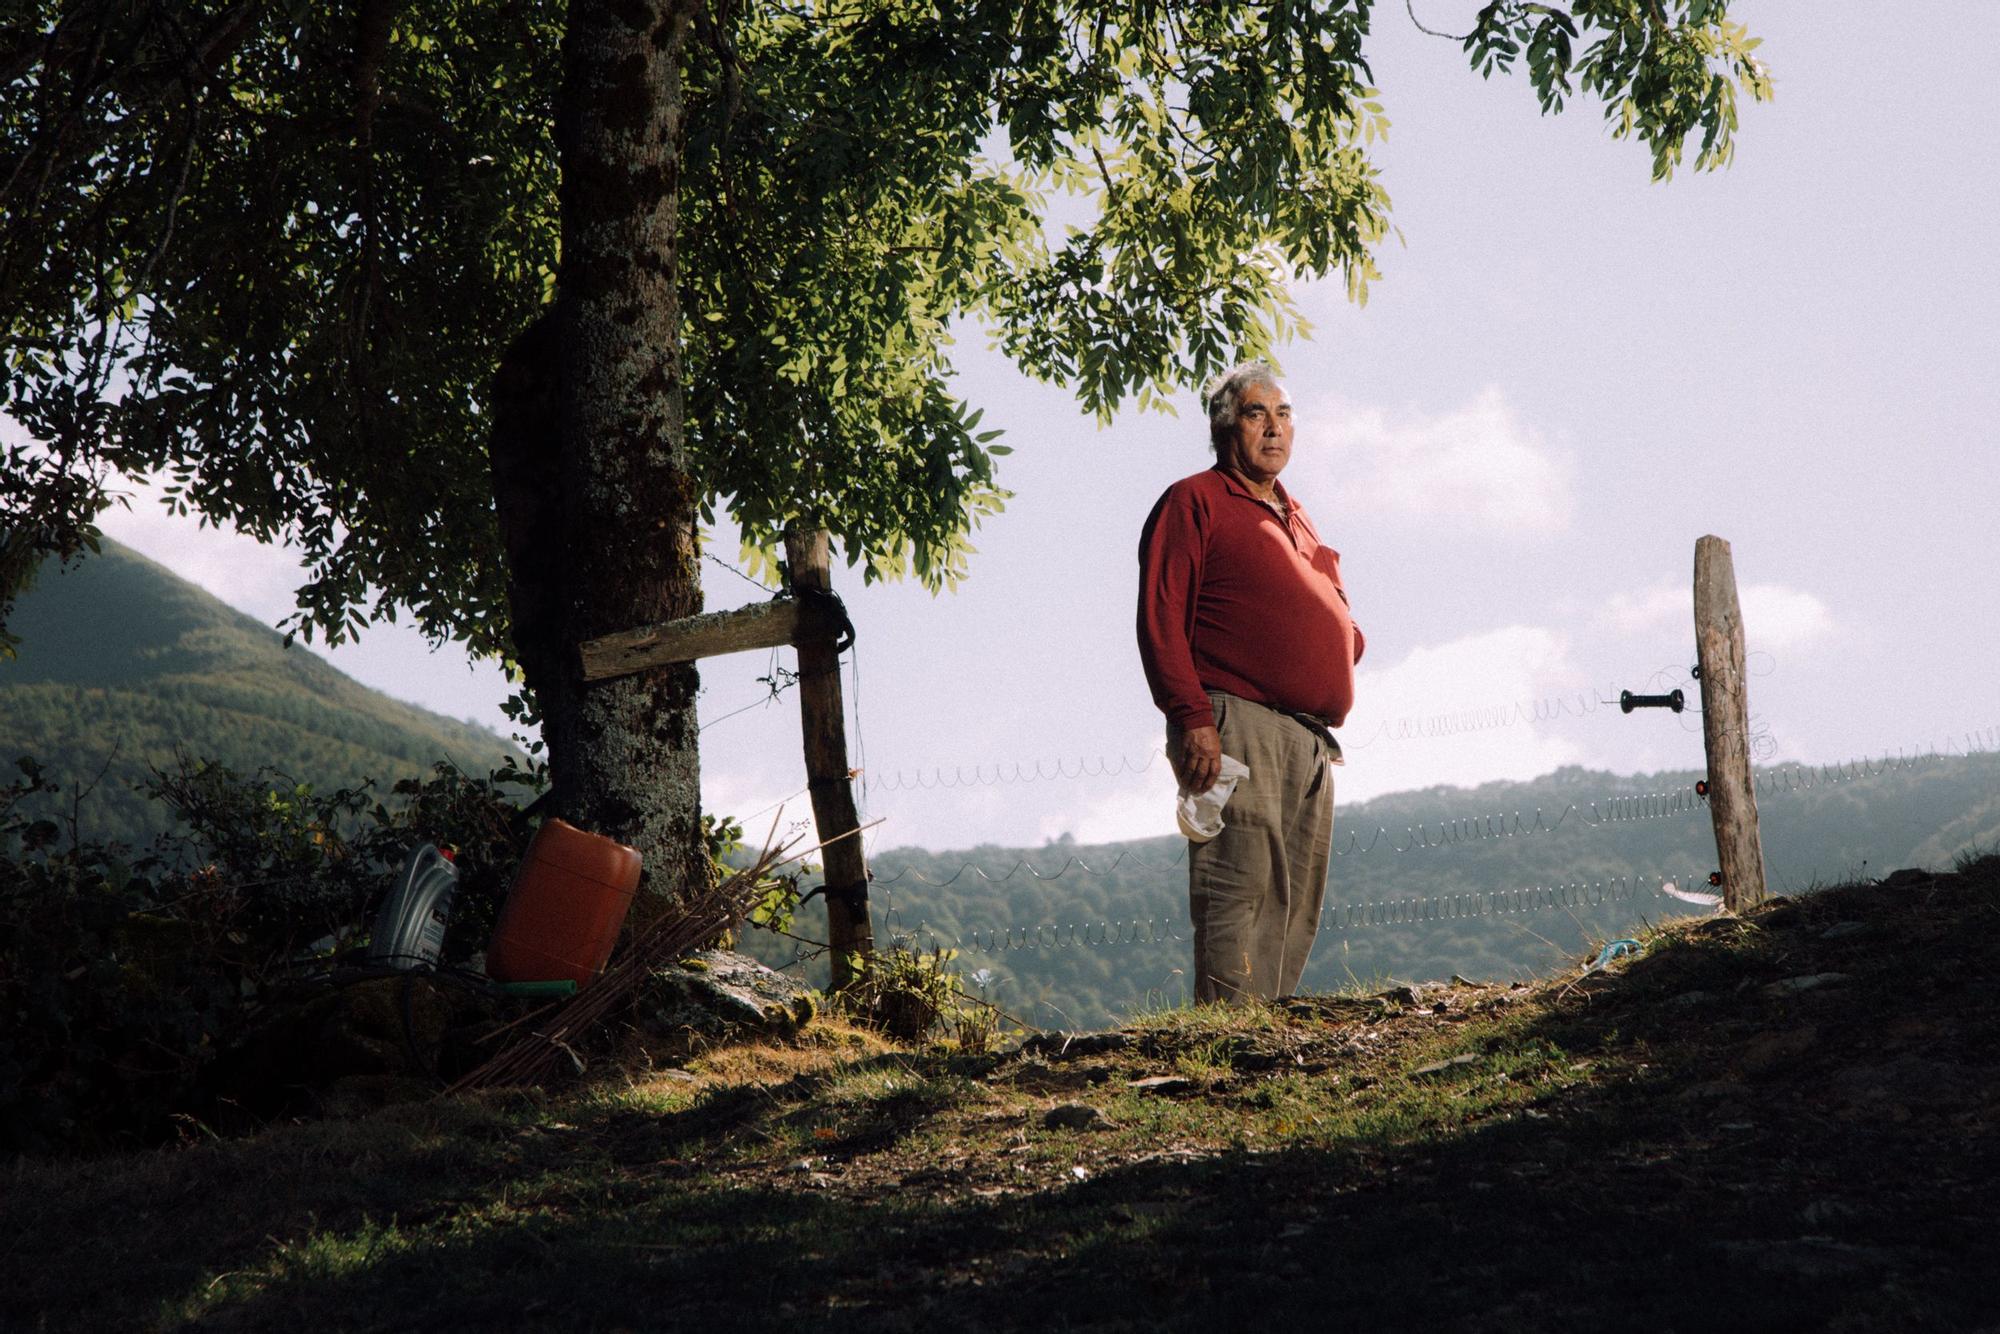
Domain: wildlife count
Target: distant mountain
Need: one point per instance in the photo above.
(1502, 881)
(122, 661)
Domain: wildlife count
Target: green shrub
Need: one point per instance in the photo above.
(907, 993)
(122, 976)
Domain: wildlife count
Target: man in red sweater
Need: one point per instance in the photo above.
(1249, 648)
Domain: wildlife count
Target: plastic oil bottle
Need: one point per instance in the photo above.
(409, 927)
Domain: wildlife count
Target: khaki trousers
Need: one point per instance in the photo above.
(1255, 889)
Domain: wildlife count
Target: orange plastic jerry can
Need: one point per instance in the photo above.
(565, 910)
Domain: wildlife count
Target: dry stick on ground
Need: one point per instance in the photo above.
(536, 1055)
(1009, 1016)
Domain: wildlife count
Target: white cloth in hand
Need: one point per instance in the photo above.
(1199, 814)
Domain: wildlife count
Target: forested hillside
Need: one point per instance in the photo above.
(122, 663)
(1499, 881)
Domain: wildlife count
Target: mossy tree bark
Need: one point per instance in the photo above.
(623, 753)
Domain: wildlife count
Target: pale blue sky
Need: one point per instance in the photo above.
(1566, 375)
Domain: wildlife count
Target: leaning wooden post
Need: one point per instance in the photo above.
(1725, 724)
(820, 716)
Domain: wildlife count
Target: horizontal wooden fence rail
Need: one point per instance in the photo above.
(813, 624)
(761, 625)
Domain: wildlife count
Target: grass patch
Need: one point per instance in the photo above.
(1799, 1157)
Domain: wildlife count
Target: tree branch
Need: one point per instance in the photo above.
(1411, 6)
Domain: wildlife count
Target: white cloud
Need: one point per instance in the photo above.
(1479, 465)
(1776, 618)
(1659, 607)
(1137, 806)
(766, 798)
(1466, 673)
(254, 578)
(1445, 714)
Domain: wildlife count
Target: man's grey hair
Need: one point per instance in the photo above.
(1227, 393)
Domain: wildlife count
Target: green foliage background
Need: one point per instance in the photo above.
(134, 988)
(126, 663)
(274, 254)
(1924, 812)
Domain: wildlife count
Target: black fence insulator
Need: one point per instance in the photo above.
(1627, 701)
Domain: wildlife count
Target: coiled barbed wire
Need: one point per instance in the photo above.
(1335, 918)
(1459, 831)
(1550, 708)
(1572, 704)
(1454, 832)
(1023, 864)
(1429, 835)
(1425, 909)
(1805, 777)
(1017, 771)
(1049, 936)
(1468, 904)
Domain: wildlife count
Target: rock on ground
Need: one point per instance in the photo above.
(721, 996)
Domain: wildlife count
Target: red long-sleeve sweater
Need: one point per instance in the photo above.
(1232, 598)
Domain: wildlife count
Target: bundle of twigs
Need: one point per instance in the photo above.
(543, 1049)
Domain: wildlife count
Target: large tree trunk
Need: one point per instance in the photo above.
(622, 753)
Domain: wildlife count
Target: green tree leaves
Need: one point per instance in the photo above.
(1662, 70)
(274, 254)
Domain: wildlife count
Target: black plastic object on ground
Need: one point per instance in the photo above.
(409, 927)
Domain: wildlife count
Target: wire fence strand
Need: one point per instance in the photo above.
(1625, 892)
(1335, 919)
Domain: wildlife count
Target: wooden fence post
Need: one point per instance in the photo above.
(821, 717)
(1725, 724)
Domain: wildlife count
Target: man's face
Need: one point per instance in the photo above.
(1260, 444)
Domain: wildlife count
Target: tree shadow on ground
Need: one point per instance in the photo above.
(1772, 1156)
